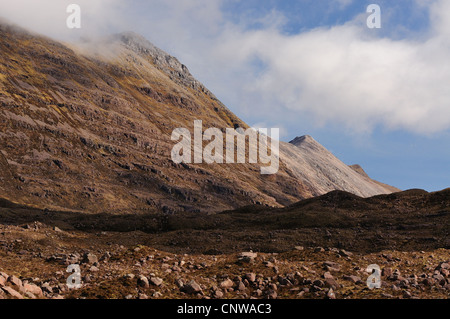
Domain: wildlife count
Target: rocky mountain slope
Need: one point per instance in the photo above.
(322, 172)
(88, 128)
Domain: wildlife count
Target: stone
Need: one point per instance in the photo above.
(354, 279)
(11, 292)
(143, 281)
(284, 281)
(227, 284)
(345, 253)
(176, 269)
(328, 275)
(29, 295)
(386, 272)
(94, 269)
(47, 288)
(407, 294)
(218, 294)
(272, 294)
(179, 283)
(72, 259)
(106, 256)
(89, 258)
(331, 294)
(443, 265)
(315, 288)
(15, 281)
(332, 266)
(165, 266)
(3, 280)
(33, 289)
(247, 257)
(318, 283)
(395, 288)
(397, 274)
(129, 276)
(331, 283)
(428, 282)
(156, 281)
(251, 277)
(440, 279)
(192, 287)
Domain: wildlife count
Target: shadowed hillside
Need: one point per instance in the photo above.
(408, 221)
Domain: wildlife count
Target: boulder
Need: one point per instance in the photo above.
(11, 292)
(89, 258)
(247, 257)
(191, 287)
(156, 281)
(143, 281)
(227, 284)
(33, 289)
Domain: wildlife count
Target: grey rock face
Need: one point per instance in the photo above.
(164, 61)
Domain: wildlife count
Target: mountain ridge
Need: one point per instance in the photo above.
(90, 131)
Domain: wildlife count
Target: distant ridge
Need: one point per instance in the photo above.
(323, 172)
(357, 168)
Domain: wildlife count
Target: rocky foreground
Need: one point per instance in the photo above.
(34, 259)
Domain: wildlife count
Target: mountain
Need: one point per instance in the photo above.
(357, 168)
(322, 172)
(88, 128)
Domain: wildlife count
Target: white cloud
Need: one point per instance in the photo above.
(341, 75)
(49, 16)
(345, 76)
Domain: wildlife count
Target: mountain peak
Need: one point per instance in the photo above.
(302, 140)
(357, 168)
(131, 36)
(167, 63)
(138, 44)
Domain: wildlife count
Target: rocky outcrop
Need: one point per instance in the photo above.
(12, 287)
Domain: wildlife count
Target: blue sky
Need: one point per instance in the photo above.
(378, 98)
(308, 14)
